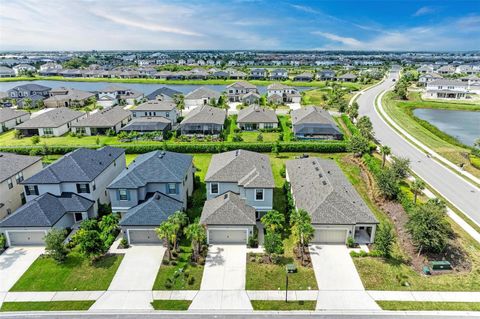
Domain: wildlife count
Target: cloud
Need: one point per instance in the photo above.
(350, 42)
(304, 8)
(424, 11)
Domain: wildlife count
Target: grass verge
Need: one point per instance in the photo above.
(282, 305)
(47, 305)
(171, 304)
(428, 305)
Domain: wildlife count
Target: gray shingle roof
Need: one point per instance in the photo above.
(31, 87)
(7, 114)
(146, 124)
(205, 114)
(278, 86)
(46, 210)
(154, 167)
(152, 212)
(81, 165)
(163, 91)
(311, 114)
(246, 168)
(155, 105)
(227, 209)
(63, 94)
(241, 85)
(447, 82)
(320, 187)
(104, 118)
(257, 114)
(202, 92)
(11, 164)
(53, 118)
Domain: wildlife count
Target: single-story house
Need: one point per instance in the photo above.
(348, 77)
(67, 97)
(148, 124)
(326, 75)
(304, 77)
(204, 120)
(313, 122)
(10, 118)
(255, 117)
(200, 96)
(102, 121)
(6, 72)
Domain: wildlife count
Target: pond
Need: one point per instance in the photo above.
(463, 125)
(146, 88)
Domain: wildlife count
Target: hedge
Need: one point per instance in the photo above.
(313, 146)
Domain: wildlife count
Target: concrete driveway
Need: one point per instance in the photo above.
(14, 262)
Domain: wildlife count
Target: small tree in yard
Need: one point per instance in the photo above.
(302, 229)
(358, 145)
(166, 231)
(272, 244)
(365, 127)
(417, 187)
(273, 221)
(178, 219)
(197, 234)
(385, 151)
(384, 239)
(401, 165)
(54, 244)
(108, 226)
(387, 183)
(90, 243)
(429, 227)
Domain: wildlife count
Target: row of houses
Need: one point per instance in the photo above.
(239, 190)
(449, 69)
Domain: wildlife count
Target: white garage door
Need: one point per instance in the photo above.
(227, 236)
(143, 236)
(330, 236)
(26, 238)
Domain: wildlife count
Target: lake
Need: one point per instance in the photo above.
(463, 125)
(142, 87)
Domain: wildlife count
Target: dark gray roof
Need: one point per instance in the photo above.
(54, 118)
(348, 76)
(152, 212)
(81, 165)
(31, 87)
(447, 82)
(163, 91)
(227, 209)
(320, 187)
(11, 164)
(154, 167)
(46, 210)
(257, 114)
(246, 168)
(311, 114)
(202, 92)
(155, 105)
(205, 114)
(147, 124)
(104, 118)
(7, 114)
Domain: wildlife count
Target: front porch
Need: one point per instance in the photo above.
(364, 234)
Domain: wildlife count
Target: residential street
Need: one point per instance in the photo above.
(453, 187)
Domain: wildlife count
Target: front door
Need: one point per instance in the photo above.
(78, 217)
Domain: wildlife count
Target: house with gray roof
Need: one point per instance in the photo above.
(347, 77)
(201, 96)
(157, 108)
(102, 121)
(148, 125)
(303, 77)
(446, 89)
(255, 118)
(9, 118)
(336, 209)
(204, 120)
(258, 74)
(312, 122)
(428, 77)
(280, 93)
(23, 69)
(279, 74)
(237, 91)
(68, 97)
(13, 170)
(326, 75)
(6, 72)
(33, 92)
(163, 93)
(54, 122)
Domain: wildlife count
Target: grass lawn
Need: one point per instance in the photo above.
(177, 273)
(251, 137)
(428, 305)
(75, 274)
(282, 305)
(47, 305)
(171, 304)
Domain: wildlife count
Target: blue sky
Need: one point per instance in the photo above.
(239, 24)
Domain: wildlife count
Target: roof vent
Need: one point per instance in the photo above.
(324, 183)
(225, 196)
(157, 196)
(163, 153)
(317, 169)
(328, 172)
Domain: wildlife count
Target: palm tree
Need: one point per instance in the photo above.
(417, 186)
(302, 229)
(179, 101)
(385, 151)
(178, 219)
(197, 235)
(166, 231)
(273, 220)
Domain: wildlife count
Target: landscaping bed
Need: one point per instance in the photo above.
(171, 304)
(47, 305)
(282, 305)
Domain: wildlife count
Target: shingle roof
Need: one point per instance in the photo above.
(202, 92)
(155, 105)
(143, 124)
(348, 76)
(227, 209)
(104, 118)
(54, 118)
(46, 210)
(311, 114)
(257, 114)
(152, 212)
(246, 168)
(320, 187)
(242, 85)
(447, 82)
(11, 164)
(205, 114)
(31, 87)
(7, 114)
(163, 91)
(154, 167)
(278, 86)
(81, 165)
(71, 94)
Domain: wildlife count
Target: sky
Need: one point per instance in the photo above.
(440, 25)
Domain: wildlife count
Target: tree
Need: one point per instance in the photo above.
(388, 183)
(401, 89)
(302, 229)
(27, 103)
(384, 239)
(417, 187)
(108, 226)
(197, 234)
(90, 243)
(400, 166)
(272, 244)
(365, 127)
(275, 149)
(263, 100)
(477, 143)
(178, 219)
(358, 145)
(429, 227)
(273, 221)
(179, 100)
(54, 244)
(353, 111)
(166, 231)
(385, 151)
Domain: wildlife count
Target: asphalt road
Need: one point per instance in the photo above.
(453, 187)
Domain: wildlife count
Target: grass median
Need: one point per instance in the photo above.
(47, 305)
(429, 306)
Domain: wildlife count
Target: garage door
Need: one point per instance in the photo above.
(144, 236)
(227, 236)
(26, 238)
(330, 236)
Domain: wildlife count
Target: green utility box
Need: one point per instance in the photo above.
(440, 265)
(291, 268)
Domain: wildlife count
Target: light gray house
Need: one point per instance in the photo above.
(236, 92)
(304, 77)
(32, 91)
(102, 121)
(6, 72)
(279, 74)
(348, 77)
(200, 96)
(446, 89)
(426, 78)
(258, 74)
(154, 185)
(255, 117)
(204, 120)
(313, 122)
(337, 211)
(148, 124)
(157, 108)
(67, 97)
(10, 118)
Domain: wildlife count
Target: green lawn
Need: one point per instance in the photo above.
(75, 274)
(251, 137)
(47, 305)
(282, 305)
(171, 304)
(427, 305)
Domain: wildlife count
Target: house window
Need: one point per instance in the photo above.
(167, 114)
(31, 190)
(94, 187)
(10, 183)
(171, 188)
(22, 198)
(48, 131)
(83, 188)
(78, 217)
(19, 177)
(259, 194)
(214, 188)
(122, 194)
(9, 211)
(268, 125)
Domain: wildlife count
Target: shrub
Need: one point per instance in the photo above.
(54, 244)
(350, 242)
(283, 172)
(260, 137)
(124, 243)
(35, 139)
(17, 134)
(384, 239)
(191, 280)
(3, 241)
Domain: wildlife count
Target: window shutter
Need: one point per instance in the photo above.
(88, 188)
(36, 189)
(177, 191)
(27, 190)
(78, 188)
(128, 195)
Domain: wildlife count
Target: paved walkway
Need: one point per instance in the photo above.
(14, 262)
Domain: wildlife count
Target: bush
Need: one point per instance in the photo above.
(191, 280)
(54, 244)
(35, 139)
(260, 137)
(124, 243)
(283, 172)
(384, 240)
(3, 241)
(350, 242)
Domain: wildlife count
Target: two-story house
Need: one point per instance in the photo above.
(156, 108)
(200, 96)
(258, 74)
(154, 186)
(239, 191)
(33, 93)
(446, 89)
(280, 93)
(278, 74)
(10, 118)
(238, 90)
